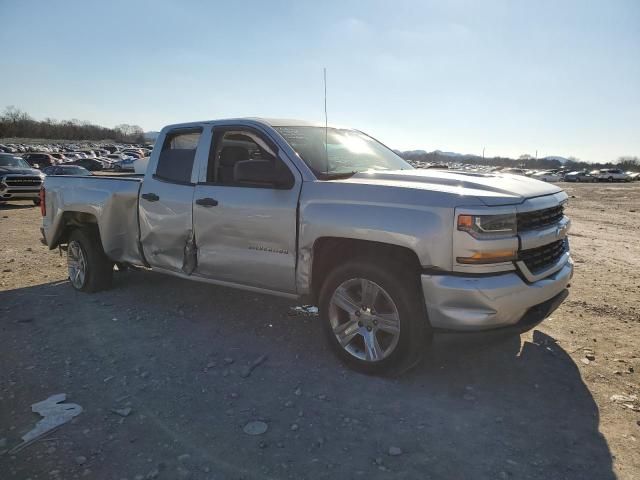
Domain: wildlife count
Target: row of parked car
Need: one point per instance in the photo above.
(92, 160)
(22, 169)
(565, 175)
(552, 175)
(118, 158)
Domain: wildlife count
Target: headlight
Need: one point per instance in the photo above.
(486, 226)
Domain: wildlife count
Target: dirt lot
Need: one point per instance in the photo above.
(173, 352)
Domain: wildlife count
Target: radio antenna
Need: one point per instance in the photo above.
(326, 123)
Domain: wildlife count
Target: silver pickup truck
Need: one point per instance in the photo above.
(329, 216)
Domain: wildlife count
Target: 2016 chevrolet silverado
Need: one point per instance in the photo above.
(389, 253)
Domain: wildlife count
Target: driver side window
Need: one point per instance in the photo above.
(232, 149)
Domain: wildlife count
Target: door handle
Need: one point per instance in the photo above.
(207, 202)
(151, 197)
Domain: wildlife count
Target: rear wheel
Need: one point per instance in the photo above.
(89, 268)
(374, 317)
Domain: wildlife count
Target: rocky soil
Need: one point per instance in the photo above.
(185, 380)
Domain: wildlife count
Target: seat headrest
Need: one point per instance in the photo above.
(230, 155)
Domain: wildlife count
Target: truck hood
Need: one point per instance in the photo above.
(492, 189)
(19, 171)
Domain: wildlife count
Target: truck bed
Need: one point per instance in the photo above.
(109, 201)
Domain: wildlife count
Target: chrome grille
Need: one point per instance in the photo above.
(23, 181)
(541, 258)
(539, 218)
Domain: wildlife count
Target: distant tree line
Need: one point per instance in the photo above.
(14, 123)
(524, 161)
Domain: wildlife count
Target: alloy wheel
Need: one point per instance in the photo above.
(364, 319)
(76, 264)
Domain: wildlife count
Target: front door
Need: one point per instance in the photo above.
(166, 202)
(246, 232)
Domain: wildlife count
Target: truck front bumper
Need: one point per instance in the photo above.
(466, 303)
(7, 195)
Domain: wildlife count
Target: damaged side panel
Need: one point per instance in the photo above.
(111, 203)
(166, 225)
(119, 227)
(303, 272)
(190, 260)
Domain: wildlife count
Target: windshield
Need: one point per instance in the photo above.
(347, 151)
(8, 161)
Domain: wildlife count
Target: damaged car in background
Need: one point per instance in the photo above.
(330, 216)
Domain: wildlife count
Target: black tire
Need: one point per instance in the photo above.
(99, 269)
(404, 290)
(36, 202)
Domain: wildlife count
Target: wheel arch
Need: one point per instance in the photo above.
(329, 252)
(71, 220)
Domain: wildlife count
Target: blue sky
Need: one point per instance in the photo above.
(562, 77)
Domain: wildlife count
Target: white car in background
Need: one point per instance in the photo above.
(121, 162)
(547, 176)
(613, 175)
(70, 157)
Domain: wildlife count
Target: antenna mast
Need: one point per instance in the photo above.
(326, 123)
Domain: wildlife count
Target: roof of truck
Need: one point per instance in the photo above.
(273, 122)
(286, 122)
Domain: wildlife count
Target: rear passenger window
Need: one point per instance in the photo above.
(177, 155)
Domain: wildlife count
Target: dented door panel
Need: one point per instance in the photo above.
(166, 223)
(166, 207)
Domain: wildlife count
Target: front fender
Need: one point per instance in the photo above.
(424, 230)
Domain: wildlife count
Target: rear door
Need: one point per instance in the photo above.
(166, 201)
(246, 233)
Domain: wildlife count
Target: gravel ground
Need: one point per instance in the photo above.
(159, 367)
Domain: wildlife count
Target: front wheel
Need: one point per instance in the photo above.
(36, 201)
(90, 270)
(374, 317)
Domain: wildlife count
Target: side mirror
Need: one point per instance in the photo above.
(263, 173)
